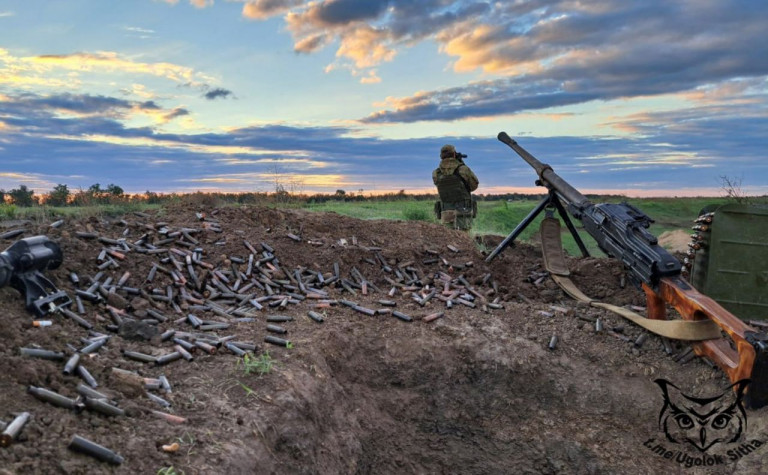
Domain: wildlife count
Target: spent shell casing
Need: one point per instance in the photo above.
(640, 340)
(402, 316)
(235, 349)
(433, 316)
(276, 341)
(94, 346)
(553, 342)
(315, 316)
(168, 358)
(279, 318)
(101, 406)
(598, 325)
(44, 354)
(185, 344)
(184, 353)
(244, 345)
(13, 429)
(71, 364)
(99, 452)
(135, 355)
(194, 320)
(157, 399)
(88, 392)
(165, 384)
(276, 329)
(210, 349)
(54, 398)
(83, 372)
(152, 383)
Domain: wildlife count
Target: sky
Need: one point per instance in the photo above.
(651, 98)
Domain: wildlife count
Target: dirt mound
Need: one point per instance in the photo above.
(675, 241)
(428, 360)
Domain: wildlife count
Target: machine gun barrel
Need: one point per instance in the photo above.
(548, 177)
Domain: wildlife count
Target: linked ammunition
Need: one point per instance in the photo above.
(13, 429)
(99, 452)
(71, 364)
(276, 341)
(54, 398)
(276, 329)
(101, 406)
(315, 316)
(43, 354)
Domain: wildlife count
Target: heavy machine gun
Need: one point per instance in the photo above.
(21, 266)
(621, 231)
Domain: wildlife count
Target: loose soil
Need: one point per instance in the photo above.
(477, 391)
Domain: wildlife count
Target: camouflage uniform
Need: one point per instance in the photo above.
(455, 182)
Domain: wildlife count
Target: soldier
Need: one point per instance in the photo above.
(455, 182)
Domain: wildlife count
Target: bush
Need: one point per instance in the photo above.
(7, 211)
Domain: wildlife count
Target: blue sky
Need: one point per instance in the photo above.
(656, 97)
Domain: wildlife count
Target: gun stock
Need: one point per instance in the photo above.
(621, 232)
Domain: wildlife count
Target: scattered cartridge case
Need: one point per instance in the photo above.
(276, 329)
(276, 341)
(101, 406)
(88, 392)
(243, 345)
(54, 398)
(44, 354)
(194, 320)
(640, 340)
(164, 383)
(402, 316)
(315, 316)
(167, 335)
(210, 349)
(185, 344)
(71, 364)
(99, 452)
(157, 399)
(387, 303)
(234, 349)
(553, 342)
(184, 353)
(279, 318)
(93, 346)
(13, 429)
(598, 325)
(364, 310)
(173, 419)
(433, 316)
(135, 355)
(168, 358)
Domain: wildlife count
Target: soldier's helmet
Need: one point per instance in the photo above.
(447, 151)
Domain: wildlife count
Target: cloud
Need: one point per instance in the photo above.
(6, 14)
(217, 93)
(263, 9)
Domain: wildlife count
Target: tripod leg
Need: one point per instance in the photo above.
(519, 229)
(570, 226)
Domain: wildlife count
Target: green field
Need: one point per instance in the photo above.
(494, 217)
(501, 217)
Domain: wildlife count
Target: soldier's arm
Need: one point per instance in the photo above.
(469, 177)
(434, 176)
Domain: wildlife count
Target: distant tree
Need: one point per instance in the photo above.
(95, 189)
(114, 190)
(22, 196)
(2, 196)
(152, 197)
(340, 192)
(58, 196)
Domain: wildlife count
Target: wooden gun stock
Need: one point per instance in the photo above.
(741, 355)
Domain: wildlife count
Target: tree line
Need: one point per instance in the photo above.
(61, 195)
